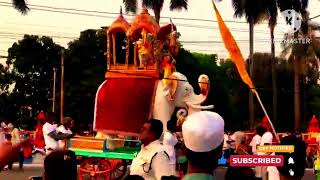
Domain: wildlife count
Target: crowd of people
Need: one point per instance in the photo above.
(49, 136)
(202, 140)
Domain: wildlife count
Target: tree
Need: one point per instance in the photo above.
(254, 12)
(21, 6)
(297, 50)
(33, 59)
(284, 68)
(273, 14)
(85, 66)
(155, 5)
(6, 78)
(227, 91)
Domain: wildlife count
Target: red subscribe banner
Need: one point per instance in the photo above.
(256, 160)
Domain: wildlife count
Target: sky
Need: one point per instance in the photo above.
(195, 34)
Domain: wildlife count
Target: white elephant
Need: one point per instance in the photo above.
(178, 92)
(113, 117)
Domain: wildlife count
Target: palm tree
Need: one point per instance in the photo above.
(21, 6)
(273, 14)
(155, 5)
(298, 51)
(254, 12)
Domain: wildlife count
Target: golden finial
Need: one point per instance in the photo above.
(144, 11)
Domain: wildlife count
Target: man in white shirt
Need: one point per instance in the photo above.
(170, 140)
(152, 162)
(256, 140)
(51, 136)
(270, 172)
(6, 125)
(65, 129)
(203, 134)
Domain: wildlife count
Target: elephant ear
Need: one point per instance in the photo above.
(172, 85)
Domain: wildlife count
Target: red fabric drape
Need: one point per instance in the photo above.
(38, 136)
(313, 125)
(39, 139)
(123, 104)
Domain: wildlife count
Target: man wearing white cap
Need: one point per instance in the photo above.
(203, 134)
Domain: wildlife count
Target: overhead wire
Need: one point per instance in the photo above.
(116, 13)
(7, 4)
(63, 10)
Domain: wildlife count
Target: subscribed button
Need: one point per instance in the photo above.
(256, 160)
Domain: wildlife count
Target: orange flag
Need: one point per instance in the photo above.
(234, 51)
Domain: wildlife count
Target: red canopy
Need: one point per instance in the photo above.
(123, 104)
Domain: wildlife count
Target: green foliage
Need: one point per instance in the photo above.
(155, 5)
(85, 65)
(33, 59)
(229, 94)
(226, 92)
(6, 79)
(251, 9)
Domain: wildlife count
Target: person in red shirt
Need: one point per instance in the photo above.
(265, 123)
(38, 138)
(313, 125)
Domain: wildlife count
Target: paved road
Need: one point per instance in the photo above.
(15, 174)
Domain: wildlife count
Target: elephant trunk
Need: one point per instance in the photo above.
(163, 109)
(194, 101)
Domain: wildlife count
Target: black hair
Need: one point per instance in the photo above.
(171, 126)
(170, 178)
(42, 121)
(260, 130)
(60, 164)
(52, 116)
(205, 160)
(298, 156)
(7, 136)
(240, 173)
(133, 177)
(156, 126)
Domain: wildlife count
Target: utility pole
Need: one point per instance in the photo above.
(54, 90)
(62, 86)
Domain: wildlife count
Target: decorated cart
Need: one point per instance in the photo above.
(140, 84)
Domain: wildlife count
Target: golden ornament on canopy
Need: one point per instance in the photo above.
(143, 21)
(120, 24)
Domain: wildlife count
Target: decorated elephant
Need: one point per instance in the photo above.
(147, 98)
(176, 91)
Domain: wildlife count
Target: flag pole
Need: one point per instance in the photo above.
(237, 58)
(265, 112)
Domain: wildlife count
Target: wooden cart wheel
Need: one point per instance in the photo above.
(94, 168)
(119, 168)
